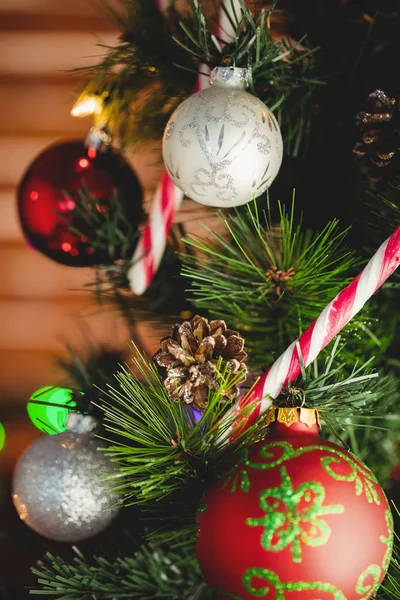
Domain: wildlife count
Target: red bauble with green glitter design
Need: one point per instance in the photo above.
(298, 518)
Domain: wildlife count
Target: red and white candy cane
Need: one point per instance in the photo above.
(168, 198)
(332, 320)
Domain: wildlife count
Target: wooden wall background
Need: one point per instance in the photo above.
(43, 304)
(41, 301)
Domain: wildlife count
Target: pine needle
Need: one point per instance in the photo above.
(162, 448)
(268, 281)
(152, 572)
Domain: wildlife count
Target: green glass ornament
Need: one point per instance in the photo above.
(49, 407)
(2, 436)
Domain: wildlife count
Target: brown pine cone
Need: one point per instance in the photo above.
(380, 134)
(190, 357)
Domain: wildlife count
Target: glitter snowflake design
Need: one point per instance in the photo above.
(293, 517)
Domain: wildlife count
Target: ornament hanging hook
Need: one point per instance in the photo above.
(228, 60)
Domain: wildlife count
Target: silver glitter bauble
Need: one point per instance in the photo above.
(223, 146)
(58, 490)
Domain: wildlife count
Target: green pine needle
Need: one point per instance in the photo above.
(282, 74)
(153, 68)
(357, 407)
(111, 229)
(269, 282)
(390, 588)
(153, 572)
(162, 448)
(344, 394)
(384, 207)
(138, 77)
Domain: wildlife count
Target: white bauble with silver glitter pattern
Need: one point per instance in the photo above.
(57, 487)
(222, 146)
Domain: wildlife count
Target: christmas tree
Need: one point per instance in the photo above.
(248, 456)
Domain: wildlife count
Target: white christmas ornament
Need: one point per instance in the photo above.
(223, 146)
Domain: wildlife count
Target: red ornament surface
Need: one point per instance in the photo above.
(49, 193)
(296, 518)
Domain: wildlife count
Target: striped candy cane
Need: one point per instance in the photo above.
(168, 198)
(329, 323)
(151, 246)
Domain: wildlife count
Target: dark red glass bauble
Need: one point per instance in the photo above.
(296, 517)
(49, 193)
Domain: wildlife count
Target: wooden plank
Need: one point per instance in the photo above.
(25, 273)
(36, 53)
(77, 8)
(24, 371)
(34, 336)
(41, 108)
(48, 22)
(47, 325)
(9, 224)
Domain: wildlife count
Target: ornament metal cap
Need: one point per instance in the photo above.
(81, 423)
(230, 77)
(98, 139)
(293, 414)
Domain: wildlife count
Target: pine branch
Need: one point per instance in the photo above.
(341, 394)
(253, 46)
(384, 207)
(163, 450)
(166, 459)
(138, 77)
(87, 374)
(110, 228)
(268, 281)
(358, 408)
(282, 74)
(154, 67)
(153, 572)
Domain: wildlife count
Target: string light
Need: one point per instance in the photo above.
(2, 436)
(87, 105)
(49, 407)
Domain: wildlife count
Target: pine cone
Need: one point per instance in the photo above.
(189, 359)
(380, 131)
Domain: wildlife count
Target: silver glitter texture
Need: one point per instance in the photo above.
(58, 490)
(218, 106)
(169, 130)
(223, 142)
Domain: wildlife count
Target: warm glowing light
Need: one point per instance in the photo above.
(83, 163)
(33, 195)
(49, 408)
(21, 507)
(92, 152)
(66, 246)
(86, 105)
(2, 436)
